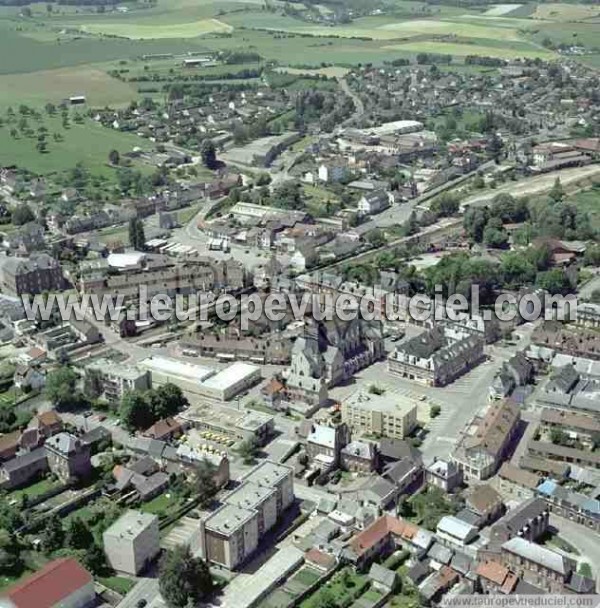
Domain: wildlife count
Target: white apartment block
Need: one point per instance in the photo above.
(132, 542)
(390, 416)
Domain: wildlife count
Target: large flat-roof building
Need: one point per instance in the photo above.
(132, 542)
(187, 376)
(389, 416)
(232, 533)
(231, 381)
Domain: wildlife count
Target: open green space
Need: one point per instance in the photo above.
(73, 147)
(34, 490)
(120, 584)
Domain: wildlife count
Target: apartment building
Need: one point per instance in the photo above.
(34, 275)
(115, 379)
(537, 565)
(438, 356)
(486, 442)
(230, 535)
(388, 416)
(132, 542)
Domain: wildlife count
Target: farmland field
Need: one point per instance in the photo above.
(38, 88)
(129, 29)
(66, 154)
(566, 12)
(462, 50)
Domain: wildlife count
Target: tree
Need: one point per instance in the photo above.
(326, 599)
(137, 238)
(375, 237)
(205, 481)
(183, 579)
(22, 214)
(10, 554)
(474, 222)
(94, 559)
(92, 384)
(434, 411)
(114, 157)
(167, 400)
(79, 536)
(53, 535)
(494, 234)
(135, 411)
(445, 205)
(60, 387)
(208, 152)
(558, 436)
(557, 193)
(554, 281)
(248, 450)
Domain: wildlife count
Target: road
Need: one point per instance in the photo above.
(359, 106)
(145, 589)
(584, 540)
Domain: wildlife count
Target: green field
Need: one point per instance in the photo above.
(128, 29)
(74, 148)
(462, 50)
(38, 88)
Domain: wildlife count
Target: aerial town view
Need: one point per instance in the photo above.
(299, 303)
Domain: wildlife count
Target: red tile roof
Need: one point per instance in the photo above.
(379, 530)
(493, 571)
(56, 581)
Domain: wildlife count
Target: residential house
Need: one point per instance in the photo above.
(443, 474)
(68, 457)
(486, 503)
(529, 520)
(373, 202)
(165, 429)
(359, 457)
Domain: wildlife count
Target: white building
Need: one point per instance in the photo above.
(388, 416)
(132, 542)
(454, 531)
(230, 535)
(187, 376)
(117, 378)
(231, 381)
(373, 202)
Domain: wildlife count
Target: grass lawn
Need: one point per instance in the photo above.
(307, 576)
(9, 397)
(120, 584)
(160, 504)
(74, 147)
(588, 201)
(8, 581)
(34, 490)
(345, 586)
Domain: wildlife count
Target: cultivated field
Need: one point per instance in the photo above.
(566, 12)
(139, 31)
(502, 9)
(462, 50)
(38, 88)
